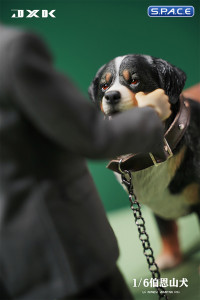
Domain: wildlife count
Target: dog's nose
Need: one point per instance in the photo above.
(112, 97)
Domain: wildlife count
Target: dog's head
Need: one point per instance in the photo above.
(116, 83)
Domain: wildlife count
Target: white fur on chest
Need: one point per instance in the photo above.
(151, 188)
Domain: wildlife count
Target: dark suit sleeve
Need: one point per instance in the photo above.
(59, 110)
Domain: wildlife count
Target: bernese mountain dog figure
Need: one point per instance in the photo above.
(170, 187)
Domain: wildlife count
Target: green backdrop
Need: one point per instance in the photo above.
(87, 33)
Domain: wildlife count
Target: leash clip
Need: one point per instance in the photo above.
(126, 178)
(167, 150)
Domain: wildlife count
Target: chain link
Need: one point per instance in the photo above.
(143, 236)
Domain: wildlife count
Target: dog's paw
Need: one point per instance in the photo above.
(166, 261)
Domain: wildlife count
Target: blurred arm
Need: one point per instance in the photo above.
(58, 109)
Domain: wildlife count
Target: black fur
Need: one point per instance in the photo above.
(172, 79)
(189, 171)
(93, 88)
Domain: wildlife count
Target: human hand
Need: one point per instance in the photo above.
(157, 100)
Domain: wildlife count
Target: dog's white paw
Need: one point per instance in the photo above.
(168, 261)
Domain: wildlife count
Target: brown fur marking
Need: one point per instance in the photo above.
(107, 77)
(135, 103)
(126, 75)
(191, 193)
(101, 107)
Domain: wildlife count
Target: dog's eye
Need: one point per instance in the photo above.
(104, 86)
(134, 81)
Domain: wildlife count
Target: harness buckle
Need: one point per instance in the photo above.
(167, 150)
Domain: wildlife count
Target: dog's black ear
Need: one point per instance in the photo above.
(93, 88)
(172, 79)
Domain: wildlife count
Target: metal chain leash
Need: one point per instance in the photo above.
(143, 236)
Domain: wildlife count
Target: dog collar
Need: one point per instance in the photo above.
(140, 161)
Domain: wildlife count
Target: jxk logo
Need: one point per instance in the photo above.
(36, 13)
